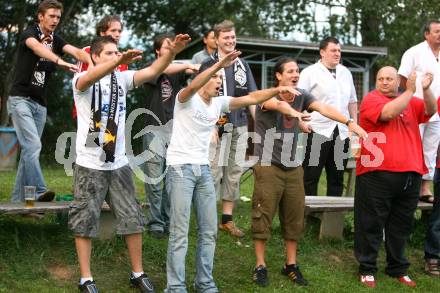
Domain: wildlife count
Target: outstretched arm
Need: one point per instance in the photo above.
(99, 71)
(45, 53)
(77, 53)
(392, 109)
(189, 68)
(284, 108)
(330, 112)
(260, 96)
(154, 70)
(201, 79)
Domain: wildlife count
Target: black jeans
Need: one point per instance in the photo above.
(384, 202)
(331, 149)
(432, 242)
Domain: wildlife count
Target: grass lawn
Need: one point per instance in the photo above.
(39, 255)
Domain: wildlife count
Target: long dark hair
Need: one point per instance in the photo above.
(279, 67)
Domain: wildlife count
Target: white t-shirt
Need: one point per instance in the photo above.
(193, 123)
(94, 157)
(337, 92)
(421, 59)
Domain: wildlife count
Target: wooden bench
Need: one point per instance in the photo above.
(330, 211)
(106, 221)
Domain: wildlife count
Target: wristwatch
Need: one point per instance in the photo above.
(349, 121)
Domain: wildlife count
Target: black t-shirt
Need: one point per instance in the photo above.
(279, 133)
(161, 96)
(32, 72)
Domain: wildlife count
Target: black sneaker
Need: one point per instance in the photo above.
(295, 275)
(158, 234)
(143, 283)
(46, 196)
(260, 276)
(88, 287)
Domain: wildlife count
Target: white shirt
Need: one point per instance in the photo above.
(337, 92)
(421, 59)
(193, 123)
(94, 157)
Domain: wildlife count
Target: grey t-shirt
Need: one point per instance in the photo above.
(279, 133)
(199, 57)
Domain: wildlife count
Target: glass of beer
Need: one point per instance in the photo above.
(29, 196)
(355, 146)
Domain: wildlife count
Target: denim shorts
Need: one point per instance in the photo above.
(116, 187)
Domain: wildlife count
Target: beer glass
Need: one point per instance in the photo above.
(29, 196)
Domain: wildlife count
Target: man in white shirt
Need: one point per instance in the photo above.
(425, 58)
(331, 83)
(102, 171)
(189, 180)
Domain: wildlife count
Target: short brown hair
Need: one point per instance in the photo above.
(103, 25)
(98, 45)
(224, 26)
(48, 4)
(159, 39)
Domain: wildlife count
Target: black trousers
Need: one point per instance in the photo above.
(432, 242)
(384, 202)
(332, 155)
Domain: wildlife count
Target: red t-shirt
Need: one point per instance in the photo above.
(395, 145)
(83, 67)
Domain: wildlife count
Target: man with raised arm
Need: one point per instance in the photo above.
(278, 183)
(39, 53)
(160, 97)
(226, 170)
(389, 173)
(102, 171)
(189, 179)
(109, 25)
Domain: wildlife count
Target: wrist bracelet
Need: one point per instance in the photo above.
(56, 61)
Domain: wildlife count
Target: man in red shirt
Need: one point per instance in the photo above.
(389, 172)
(110, 25)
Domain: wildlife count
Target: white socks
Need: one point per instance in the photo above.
(137, 275)
(83, 280)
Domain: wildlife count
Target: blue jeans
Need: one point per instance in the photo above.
(155, 168)
(29, 118)
(188, 184)
(432, 242)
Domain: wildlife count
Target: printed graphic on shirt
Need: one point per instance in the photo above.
(204, 117)
(166, 90)
(106, 90)
(240, 76)
(39, 76)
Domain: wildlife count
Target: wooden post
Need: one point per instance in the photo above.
(332, 225)
(107, 225)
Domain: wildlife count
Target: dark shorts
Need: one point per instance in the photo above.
(275, 189)
(116, 187)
